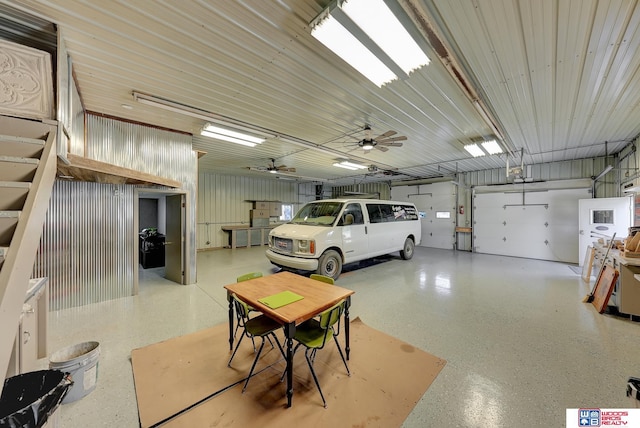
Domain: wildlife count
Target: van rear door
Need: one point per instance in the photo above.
(355, 241)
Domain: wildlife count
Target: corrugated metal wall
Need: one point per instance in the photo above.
(378, 190)
(154, 151)
(226, 200)
(87, 250)
(77, 123)
(608, 186)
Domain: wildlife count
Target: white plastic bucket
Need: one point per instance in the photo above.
(81, 362)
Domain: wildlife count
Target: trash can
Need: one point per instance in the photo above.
(30, 399)
(81, 362)
(633, 391)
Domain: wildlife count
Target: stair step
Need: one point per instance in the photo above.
(17, 168)
(8, 222)
(13, 194)
(20, 146)
(10, 214)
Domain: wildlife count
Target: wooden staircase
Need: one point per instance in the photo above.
(27, 173)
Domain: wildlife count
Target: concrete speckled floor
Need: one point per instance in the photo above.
(521, 347)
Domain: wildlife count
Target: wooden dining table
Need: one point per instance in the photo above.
(317, 297)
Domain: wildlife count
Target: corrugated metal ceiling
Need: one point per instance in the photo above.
(559, 77)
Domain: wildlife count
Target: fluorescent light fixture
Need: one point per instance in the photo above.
(349, 165)
(209, 130)
(226, 138)
(171, 106)
(231, 136)
(474, 149)
(339, 165)
(376, 19)
(338, 39)
(492, 147)
(369, 37)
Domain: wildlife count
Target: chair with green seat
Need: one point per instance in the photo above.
(248, 276)
(260, 326)
(241, 278)
(315, 333)
(322, 278)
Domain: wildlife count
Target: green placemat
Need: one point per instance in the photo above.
(280, 299)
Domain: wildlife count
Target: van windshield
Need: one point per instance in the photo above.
(318, 214)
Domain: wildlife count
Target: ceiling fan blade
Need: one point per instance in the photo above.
(385, 135)
(285, 169)
(381, 148)
(400, 138)
(389, 144)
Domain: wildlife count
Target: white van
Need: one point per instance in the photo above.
(326, 234)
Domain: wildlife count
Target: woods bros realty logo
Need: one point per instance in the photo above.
(602, 417)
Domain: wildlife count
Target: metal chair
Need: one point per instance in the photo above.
(314, 334)
(260, 326)
(322, 278)
(248, 276)
(241, 278)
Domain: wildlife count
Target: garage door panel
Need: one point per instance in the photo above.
(541, 225)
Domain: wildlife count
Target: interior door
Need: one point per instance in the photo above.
(174, 245)
(601, 218)
(437, 201)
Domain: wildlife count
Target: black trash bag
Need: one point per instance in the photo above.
(30, 398)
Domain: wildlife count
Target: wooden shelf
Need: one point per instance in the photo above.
(84, 169)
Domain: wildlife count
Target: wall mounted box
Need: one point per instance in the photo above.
(275, 209)
(258, 213)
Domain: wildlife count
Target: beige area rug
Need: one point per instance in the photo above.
(388, 377)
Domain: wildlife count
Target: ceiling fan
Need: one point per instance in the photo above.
(382, 142)
(272, 168)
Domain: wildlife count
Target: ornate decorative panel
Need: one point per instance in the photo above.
(26, 82)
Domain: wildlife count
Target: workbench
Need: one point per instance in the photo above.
(246, 236)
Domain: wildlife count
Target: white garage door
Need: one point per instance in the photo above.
(540, 225)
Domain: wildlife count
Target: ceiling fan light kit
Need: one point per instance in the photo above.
(382, 142)
(367, 144)
(369, 36)
(273, 168)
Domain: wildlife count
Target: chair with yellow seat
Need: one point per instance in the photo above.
(248, 276)
(314, 335)
(260, 326)
(239, 322)
(322, 278)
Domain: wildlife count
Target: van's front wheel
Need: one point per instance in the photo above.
(407, 250)
(330, 264)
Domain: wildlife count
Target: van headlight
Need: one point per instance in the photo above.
(306, 246)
